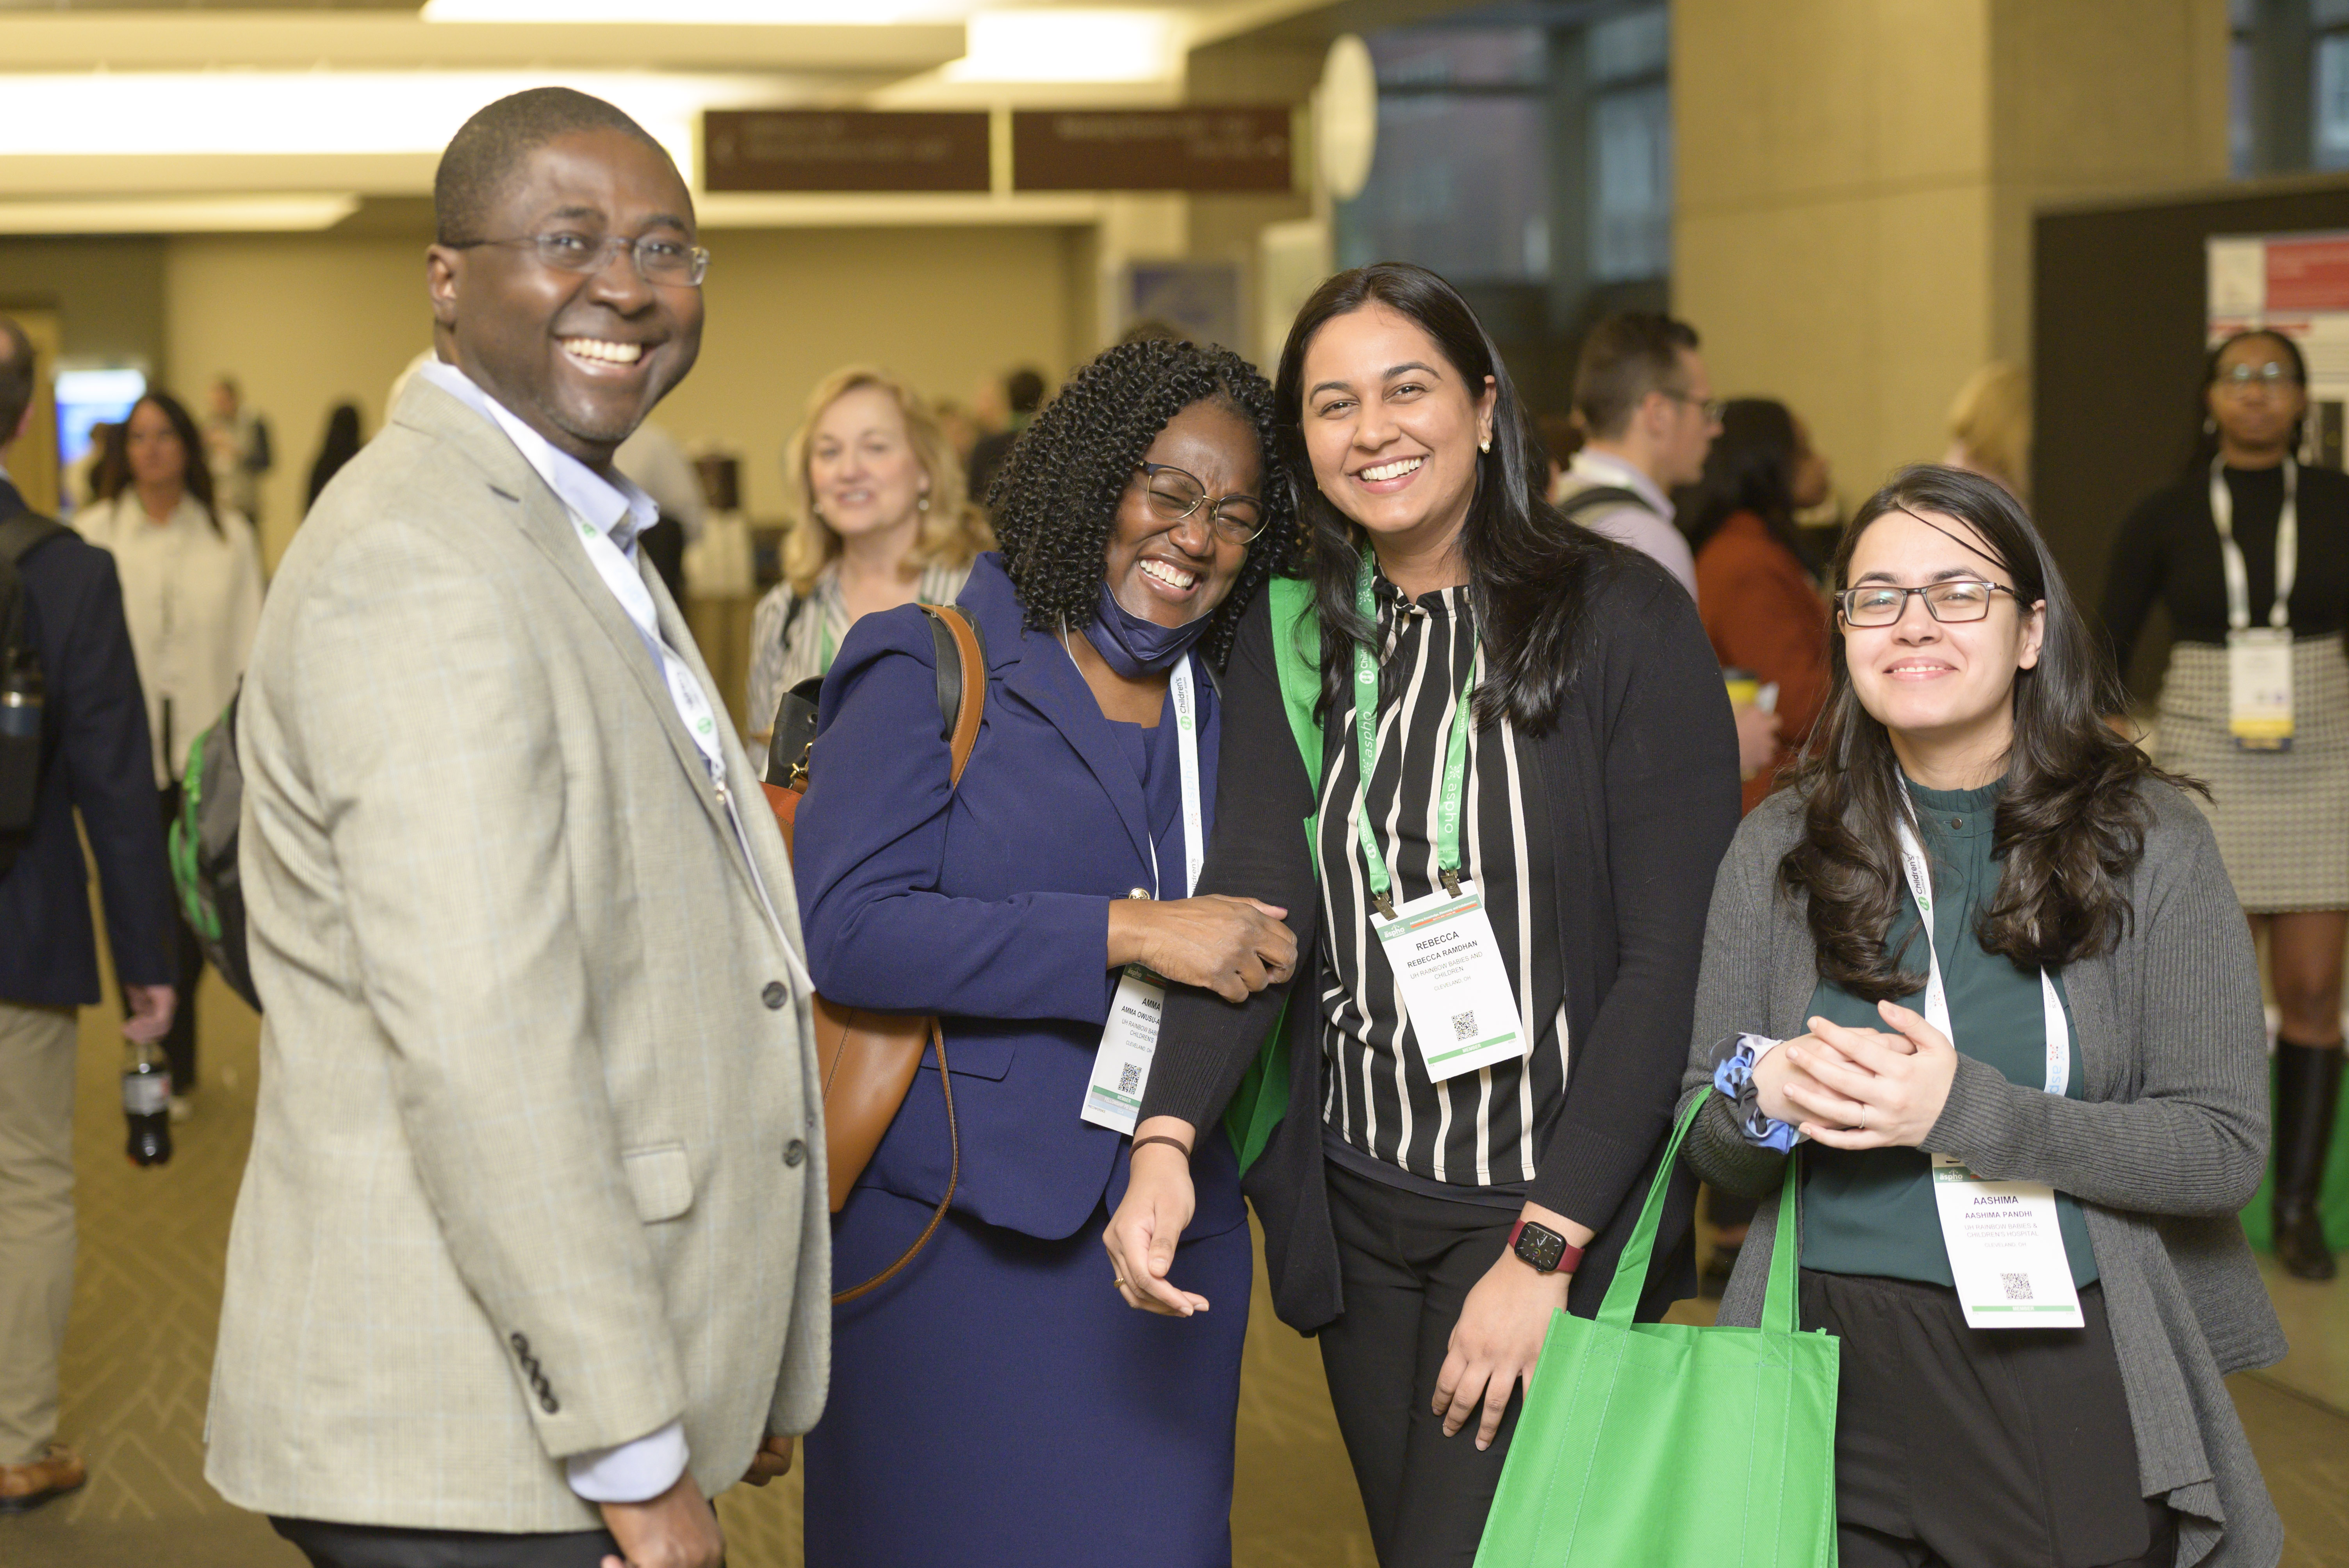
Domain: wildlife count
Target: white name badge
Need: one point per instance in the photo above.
(2006, 1251)
(2258, 687)
(1455, 991)
(1121, 1066)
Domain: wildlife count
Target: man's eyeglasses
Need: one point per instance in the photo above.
(1175, 495)
(1881, 604)
(660, 258)
(2273, 377)
(1711, 408)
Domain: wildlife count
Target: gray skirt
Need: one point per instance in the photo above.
(2281, 818)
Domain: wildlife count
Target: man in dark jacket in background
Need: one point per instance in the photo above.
(94, 758)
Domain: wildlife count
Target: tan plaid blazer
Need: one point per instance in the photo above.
(538, 1165)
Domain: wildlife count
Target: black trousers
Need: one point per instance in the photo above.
(332, 1545)
(1408, 1264)
(1966, 1448)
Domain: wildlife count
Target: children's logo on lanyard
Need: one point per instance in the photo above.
(1451, 985)
(2259, 659)
(1130, 1039)
(2004, 1243)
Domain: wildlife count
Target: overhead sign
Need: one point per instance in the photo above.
(1196, 149)
(829, 149)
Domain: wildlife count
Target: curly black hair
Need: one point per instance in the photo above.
(1056, 500)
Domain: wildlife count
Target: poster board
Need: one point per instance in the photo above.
(2296, 286)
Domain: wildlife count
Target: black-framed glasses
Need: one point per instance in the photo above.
(660, 258)
(1713, 408)
(1175, 495)
(1957, 599)
(2273, 377)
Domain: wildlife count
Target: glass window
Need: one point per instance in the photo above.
(2331, 105)
(1631, 185)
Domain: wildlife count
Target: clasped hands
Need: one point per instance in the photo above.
(1861, 1089)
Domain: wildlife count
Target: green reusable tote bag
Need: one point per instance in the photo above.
(1657, 1445)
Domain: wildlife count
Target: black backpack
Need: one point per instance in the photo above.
(203, 851)
(23, 737)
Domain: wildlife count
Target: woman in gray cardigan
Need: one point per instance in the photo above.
(2080, 937)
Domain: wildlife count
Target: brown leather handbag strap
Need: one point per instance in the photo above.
(967, 714)
(953, 1175)
(973, 707)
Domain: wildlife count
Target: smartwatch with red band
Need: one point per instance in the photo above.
(1542, 1249)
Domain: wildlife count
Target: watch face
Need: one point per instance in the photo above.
(1540, 1247)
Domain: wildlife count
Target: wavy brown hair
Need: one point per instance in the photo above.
(2070, 822)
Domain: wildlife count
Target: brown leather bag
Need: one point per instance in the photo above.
(868, 1058)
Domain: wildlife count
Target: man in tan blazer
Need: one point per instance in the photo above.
(530, 1256)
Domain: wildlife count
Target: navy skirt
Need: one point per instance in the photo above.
(998, 1402)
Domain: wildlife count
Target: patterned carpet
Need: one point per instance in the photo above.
(146, 1303)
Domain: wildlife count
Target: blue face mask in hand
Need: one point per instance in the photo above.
(1134, 647)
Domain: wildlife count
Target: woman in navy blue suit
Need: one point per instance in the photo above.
(988, 1401)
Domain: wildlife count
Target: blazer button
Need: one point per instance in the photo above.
(521, 1346)
(795, 1153)
(547, 1403)
(775, 994)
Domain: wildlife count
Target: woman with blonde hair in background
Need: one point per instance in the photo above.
(190, 574)
(879, 519)
(1990, 428)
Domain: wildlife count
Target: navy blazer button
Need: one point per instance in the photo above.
(775, 994)
(795, 1153)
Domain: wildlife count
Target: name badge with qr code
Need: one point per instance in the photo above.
(1121, 1066)
(2006, 1250)
(2259, 688)
(1455, 991)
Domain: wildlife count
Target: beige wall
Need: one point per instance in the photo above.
(1856, 177)
(306, 321)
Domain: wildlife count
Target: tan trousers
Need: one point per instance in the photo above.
(37, 1219)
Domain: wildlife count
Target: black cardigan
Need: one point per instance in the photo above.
(1640, 777)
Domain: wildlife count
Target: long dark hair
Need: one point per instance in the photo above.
(1750, 467)
(341, 444)
(2205, 445)
(2071, 822)
(196, 472)
(1529, 571)
(1056, 495)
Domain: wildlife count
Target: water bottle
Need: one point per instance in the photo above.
(147, 1103)
(21, 699)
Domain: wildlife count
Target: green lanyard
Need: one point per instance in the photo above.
(1366, 737)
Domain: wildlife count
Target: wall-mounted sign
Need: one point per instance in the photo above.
(826, 149)
(1201, 150)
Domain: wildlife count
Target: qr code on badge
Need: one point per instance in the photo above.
(1463, 1026)
(2018, 1287)
(1129, 1079)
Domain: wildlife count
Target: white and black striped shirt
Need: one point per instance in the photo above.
(1478, 1129)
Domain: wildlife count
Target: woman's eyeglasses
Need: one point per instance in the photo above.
(1957, 599)
(1175, 495)
(2273, 376)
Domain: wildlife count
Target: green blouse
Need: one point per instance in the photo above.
(1871, 1212)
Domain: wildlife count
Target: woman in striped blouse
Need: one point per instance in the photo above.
(879, 519)
(1511, 746)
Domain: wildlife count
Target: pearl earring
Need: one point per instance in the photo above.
(921, 502)
(1485, 445)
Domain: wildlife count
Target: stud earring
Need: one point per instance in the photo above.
(1485, 445)
(921, 502)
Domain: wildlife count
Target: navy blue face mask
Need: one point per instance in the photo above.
(1134, 647)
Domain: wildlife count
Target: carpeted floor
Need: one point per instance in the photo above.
(147, 1301)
